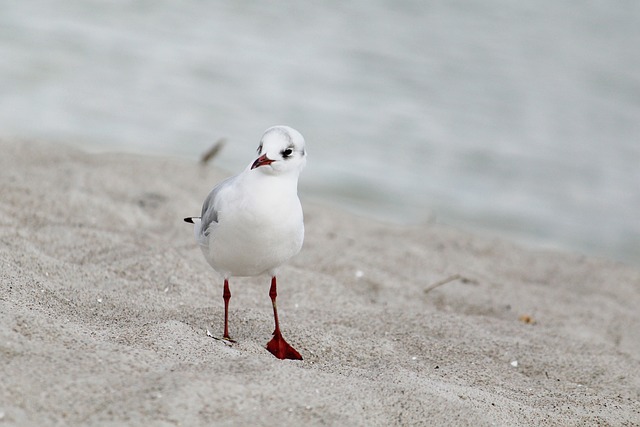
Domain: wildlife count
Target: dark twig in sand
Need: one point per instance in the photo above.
(447, 280)
(213, 151)
(227, 342)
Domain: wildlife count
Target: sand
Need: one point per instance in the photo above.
(106, 301)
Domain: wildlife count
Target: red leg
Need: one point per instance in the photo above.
(278, 346)
(226, 295)
(273, 293)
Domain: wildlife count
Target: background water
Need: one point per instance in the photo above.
(521, 118)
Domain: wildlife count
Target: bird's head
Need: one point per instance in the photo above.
(281, 150)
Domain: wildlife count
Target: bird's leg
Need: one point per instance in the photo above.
(273, 293)
(278, 346)
(226, 295)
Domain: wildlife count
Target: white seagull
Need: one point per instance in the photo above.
(252, 223)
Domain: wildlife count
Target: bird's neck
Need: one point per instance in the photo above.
(285, 182)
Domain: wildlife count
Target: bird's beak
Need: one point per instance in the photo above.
(261, 161)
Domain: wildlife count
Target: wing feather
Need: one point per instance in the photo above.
(210, 208)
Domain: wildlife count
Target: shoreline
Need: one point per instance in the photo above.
(414, 215)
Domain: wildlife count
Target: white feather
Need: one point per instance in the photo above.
(252, 223)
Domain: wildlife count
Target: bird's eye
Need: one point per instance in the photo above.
(286, 153)
(259, 148)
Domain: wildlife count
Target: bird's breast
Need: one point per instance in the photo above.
(257, 235)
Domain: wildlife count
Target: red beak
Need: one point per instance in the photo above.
(261, 161)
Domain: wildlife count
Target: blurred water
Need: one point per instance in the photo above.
(513, 117)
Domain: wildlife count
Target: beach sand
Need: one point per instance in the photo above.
(106, 300)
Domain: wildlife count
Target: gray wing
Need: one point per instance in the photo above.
(209, 213)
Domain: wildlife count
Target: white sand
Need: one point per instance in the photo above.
(105, 301)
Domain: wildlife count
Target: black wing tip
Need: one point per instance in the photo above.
(190, 219)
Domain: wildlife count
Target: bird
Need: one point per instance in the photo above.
(252, 223)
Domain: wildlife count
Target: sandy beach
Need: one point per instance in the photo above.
(105, 303)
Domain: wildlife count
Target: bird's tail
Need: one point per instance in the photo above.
(196, 221)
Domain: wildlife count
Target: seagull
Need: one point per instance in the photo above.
(252, 223)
